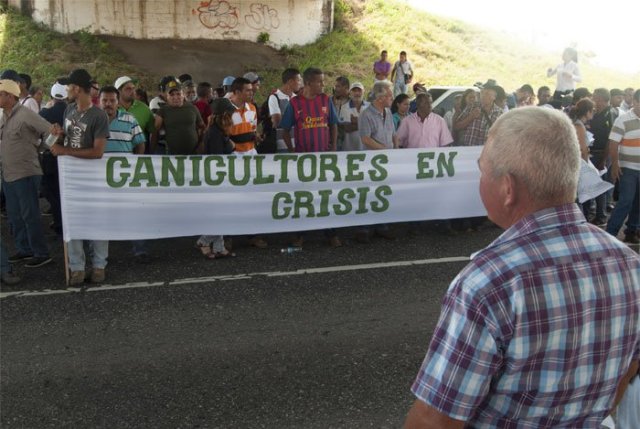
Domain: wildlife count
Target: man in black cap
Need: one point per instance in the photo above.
(85, 131)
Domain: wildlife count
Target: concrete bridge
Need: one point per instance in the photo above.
(281, 22)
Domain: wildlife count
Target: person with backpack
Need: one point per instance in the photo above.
(272, 109)
(216, 142)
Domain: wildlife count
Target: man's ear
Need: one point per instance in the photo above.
(509, 190)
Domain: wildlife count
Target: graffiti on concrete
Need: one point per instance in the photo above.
(217, 14)
(262, 17)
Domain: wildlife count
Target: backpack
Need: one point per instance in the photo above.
(263, 114)
(269, 142)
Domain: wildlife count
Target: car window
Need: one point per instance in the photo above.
(446, 104)
(436, 93)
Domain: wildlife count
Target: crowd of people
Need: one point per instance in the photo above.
(475, 372)
(188, 117)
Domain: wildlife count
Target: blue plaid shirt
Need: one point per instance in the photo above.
(538, 329)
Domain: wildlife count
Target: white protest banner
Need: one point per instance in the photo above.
(126, 197)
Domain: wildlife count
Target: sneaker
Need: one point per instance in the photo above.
(335, 241)
(298, 241)
(17, 257)
(599, 221)
(258, 242)
(76, 278)
(38, 261)
(631, 238)
(97, 275)
(9, 278)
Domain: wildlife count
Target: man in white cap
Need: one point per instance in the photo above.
(348, 118)
(128, 103)
(20, 132)
(226, 86)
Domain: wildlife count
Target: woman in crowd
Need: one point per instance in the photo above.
(400, 109)
(217, 142)
(580, 115)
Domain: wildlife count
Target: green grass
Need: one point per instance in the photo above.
(443, 51)
(46, 55)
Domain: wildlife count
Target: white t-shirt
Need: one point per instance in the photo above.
(274, 109)
(563, 82)
(30, 103)
(352, 140)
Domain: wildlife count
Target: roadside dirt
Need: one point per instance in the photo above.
(205, 60)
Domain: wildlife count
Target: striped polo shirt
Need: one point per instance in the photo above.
(243, 131)
(124, 133)
(312, 119)
(626, 132)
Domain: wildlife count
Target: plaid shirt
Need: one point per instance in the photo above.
(538, 329)
(476, 132)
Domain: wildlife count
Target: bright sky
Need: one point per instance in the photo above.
(604, 28)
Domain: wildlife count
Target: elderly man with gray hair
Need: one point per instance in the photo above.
(542, 327)
(375, 123)
(377, 131)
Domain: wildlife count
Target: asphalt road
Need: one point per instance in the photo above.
(323, 338)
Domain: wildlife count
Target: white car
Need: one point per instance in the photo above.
(443, 97)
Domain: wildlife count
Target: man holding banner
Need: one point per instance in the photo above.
(540, 329)
(86, 128)
(377, 132)
(315, 123)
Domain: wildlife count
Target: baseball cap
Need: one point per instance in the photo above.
(419, 88)
(168, 83)
(356, 85)
(79, 77)
(228, 81)
(10, 86)
(122, 80)
(185, 77)
(222, 105)
(252, 77)
(11, 75)
(58, 91)
(489, 82)
(156, 103)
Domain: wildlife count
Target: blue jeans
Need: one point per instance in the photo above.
(399, 87)
(98, 252)
(23, 210)
(628, 203)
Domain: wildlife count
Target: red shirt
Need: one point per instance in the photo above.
(204, 108)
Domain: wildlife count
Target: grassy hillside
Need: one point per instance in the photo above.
(443, 51)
